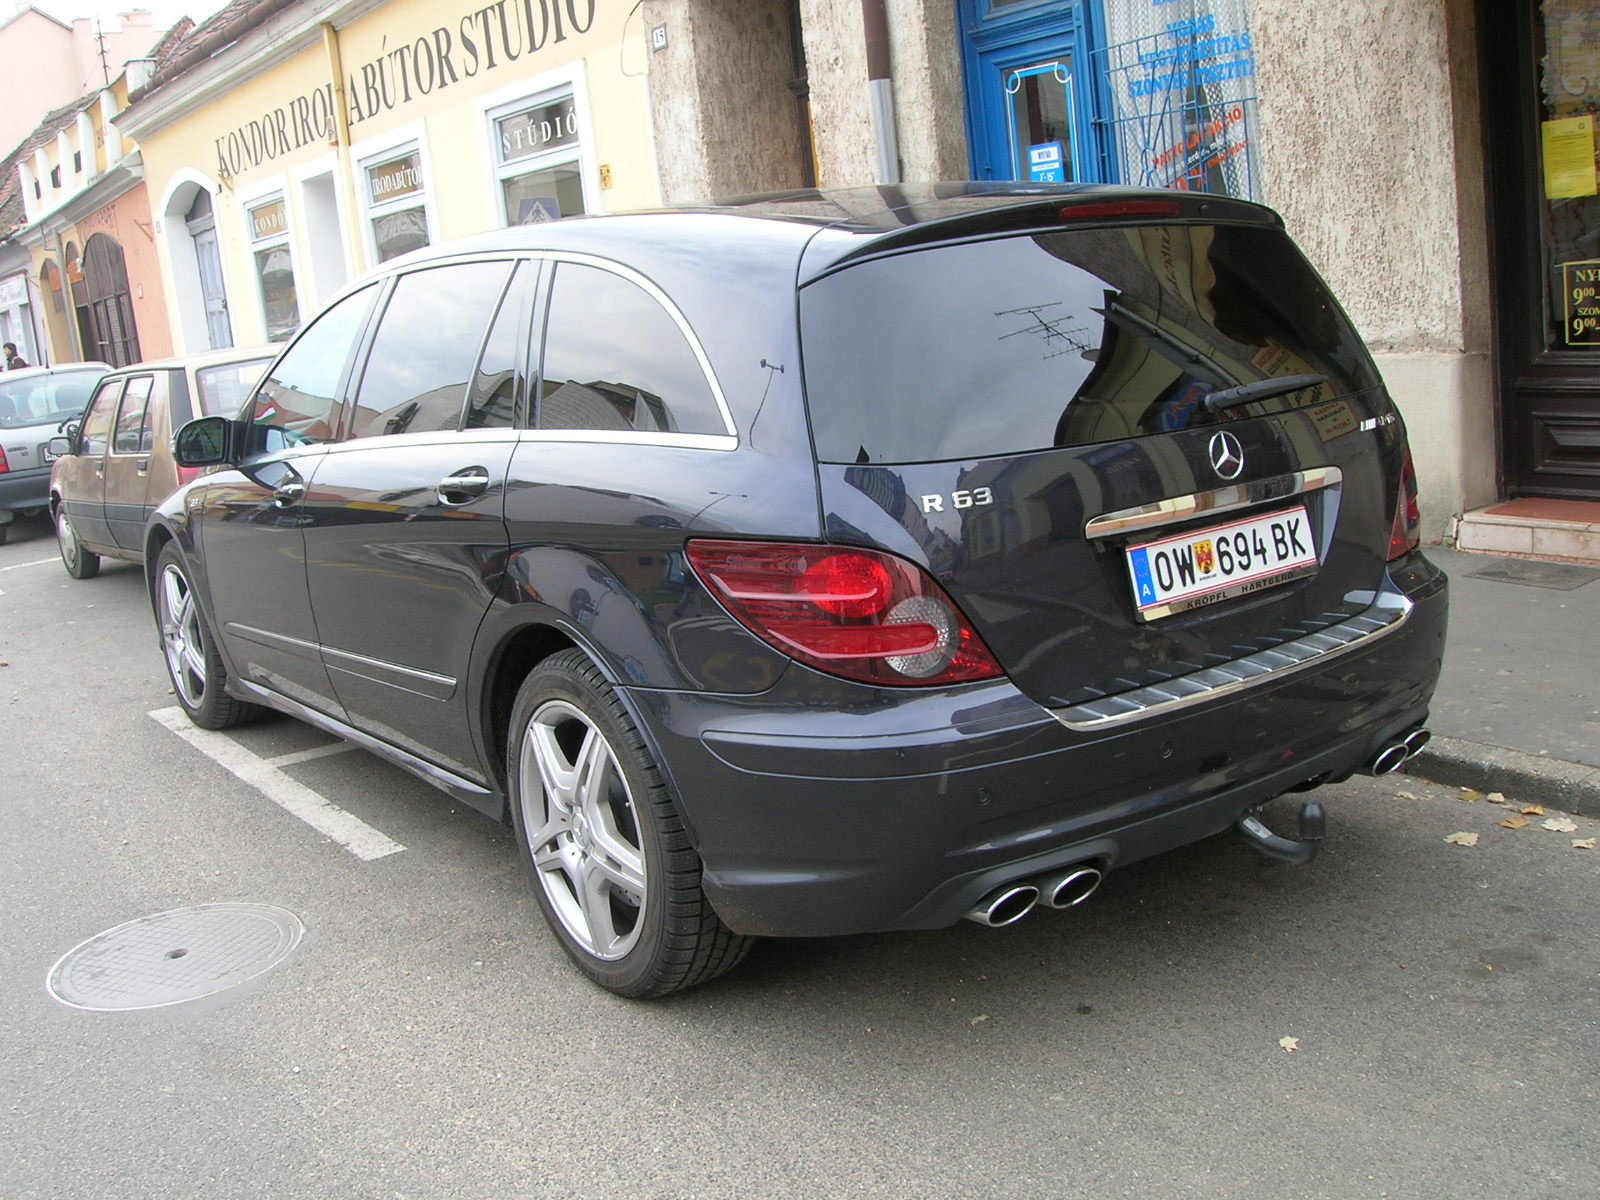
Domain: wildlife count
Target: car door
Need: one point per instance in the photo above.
(405, 519)
(249, 519)
(127, 464)
(82, 475)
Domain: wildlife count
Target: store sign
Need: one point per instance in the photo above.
(535, 130)
(410, 66)
(1580, 281)
(14, 291)
(1183, 91)
(396, 178)
(268, 221)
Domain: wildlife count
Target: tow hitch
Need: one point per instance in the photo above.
(1312, 826)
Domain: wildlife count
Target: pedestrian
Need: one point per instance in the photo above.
(14, 361)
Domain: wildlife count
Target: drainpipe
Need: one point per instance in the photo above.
(347, 178)
(880, 88)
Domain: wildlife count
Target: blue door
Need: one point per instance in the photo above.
(1032, 100)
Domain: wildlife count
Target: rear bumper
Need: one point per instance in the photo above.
(24, 490)
(901, 811)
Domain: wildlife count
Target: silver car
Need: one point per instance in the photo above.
(36, 403)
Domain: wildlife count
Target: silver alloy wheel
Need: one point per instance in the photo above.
(67, 538)
(583, 830)
(181, 637)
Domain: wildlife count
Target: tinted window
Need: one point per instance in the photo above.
(615, 359)
(301, 394)
(493, 402)
(133, 421)
(1064, 339)
(96, 433)
(223, 388)
(428, 340)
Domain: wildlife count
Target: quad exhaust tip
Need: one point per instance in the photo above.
(1059, 889)
(1394, 755)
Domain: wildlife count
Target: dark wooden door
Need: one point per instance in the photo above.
(1542, 107)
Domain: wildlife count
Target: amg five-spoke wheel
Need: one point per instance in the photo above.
(583, 830)
(612, 866)
(196, 669)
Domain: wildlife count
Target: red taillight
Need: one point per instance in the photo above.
(858, 614)
(4, 465)
(1407, 532)
(1121, 208)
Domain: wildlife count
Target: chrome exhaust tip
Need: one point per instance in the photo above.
(1070, 887)
(1416, 740)
(1004, 906)
(1388, 759)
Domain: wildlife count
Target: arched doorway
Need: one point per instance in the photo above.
(200, 295)
(111, 325)
(53, 303)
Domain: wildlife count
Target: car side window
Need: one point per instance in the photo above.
(492, 403)
(615, 359)
(301, 395)
(133, 420)
(428, 339)
(95, 436)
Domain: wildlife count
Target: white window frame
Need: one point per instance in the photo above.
(271, 191)
(375, 152)
(530, 93)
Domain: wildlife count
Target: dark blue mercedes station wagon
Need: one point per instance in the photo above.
(829, 563)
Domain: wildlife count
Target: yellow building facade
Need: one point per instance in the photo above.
(330, 137)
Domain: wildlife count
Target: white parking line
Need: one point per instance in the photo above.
(38, 562)
(316, 752)
(351, 832)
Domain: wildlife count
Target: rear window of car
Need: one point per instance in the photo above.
(39, 399)
(225, 387)
(1004, 346)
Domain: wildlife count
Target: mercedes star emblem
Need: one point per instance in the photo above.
(1227, 456)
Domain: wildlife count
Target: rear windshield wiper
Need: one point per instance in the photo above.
(1262, 389)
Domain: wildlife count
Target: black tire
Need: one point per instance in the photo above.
(80, 562)
(199, 679)
(3, 530)
(601, 834)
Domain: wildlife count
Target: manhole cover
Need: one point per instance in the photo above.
(174, 956)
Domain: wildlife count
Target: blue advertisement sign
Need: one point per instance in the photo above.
(1047, 163)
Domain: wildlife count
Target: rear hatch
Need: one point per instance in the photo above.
(1133, 441)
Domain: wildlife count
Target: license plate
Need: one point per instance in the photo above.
(1194, 569)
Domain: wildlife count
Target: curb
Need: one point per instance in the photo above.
(1571, 787)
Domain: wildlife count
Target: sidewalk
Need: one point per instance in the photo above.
(1518, 705)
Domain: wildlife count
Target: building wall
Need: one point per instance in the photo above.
(725, 119)
(48, 64)
(1372, 152)
(416, 71)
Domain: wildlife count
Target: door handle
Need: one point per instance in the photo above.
(288, 493)
(464, 486)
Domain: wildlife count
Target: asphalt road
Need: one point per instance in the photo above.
(427, 1039)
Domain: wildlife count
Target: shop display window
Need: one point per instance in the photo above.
(269, 238)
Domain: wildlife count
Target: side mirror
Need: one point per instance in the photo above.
(57, 447)
(203, 442)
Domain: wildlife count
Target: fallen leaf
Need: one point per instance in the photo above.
(1514, 822)
(1405, 795)
(1561, 825)
(1470, 795)
(1496, 798)
(981, 1017)
(1532, 810)
(1289, 1044)
(1583, 843)
(1462, 839)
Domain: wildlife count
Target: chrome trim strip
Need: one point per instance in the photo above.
(1389, 611)
(1221, 500)
(409, 679)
